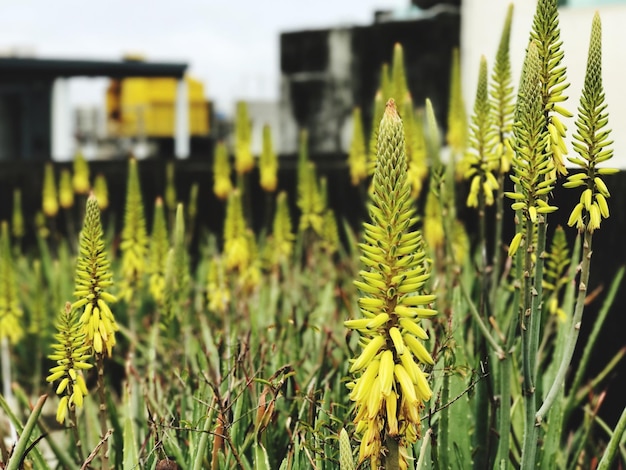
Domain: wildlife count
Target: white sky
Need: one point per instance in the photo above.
(233, 47)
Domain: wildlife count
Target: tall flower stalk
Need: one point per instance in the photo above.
(134, 244)
(539, 148)
(502, 107)
(222, 185)
(591, 142)
(390, 388)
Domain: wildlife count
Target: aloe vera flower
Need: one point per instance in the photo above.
(222, 185)
(101, 191)
(390, 387)
(93, 279)
(134, 244)
(50, 203)
(10, 309)
(268, 163)
(236, 246)
(244, 160)
(66, 192)
(80, 180)
(357, 156)
(591, 142)
(72, 356)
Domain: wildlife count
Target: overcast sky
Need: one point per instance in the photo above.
(231, 46)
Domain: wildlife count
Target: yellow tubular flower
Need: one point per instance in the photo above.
(93, 279)
(72, 356)
(390, 387)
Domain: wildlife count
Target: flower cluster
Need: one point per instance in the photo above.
(71, 355)
(93, 277)
(391, 388)
(591, 142)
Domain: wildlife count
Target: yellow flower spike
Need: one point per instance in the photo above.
(222, 184)
(268, 163)
(80, 180)
(71, 359)
(50, 203)
(92, 278)
(134, 243)
(591, 141)
(385, 396)
(481, 158)
(10, 310)
(66, 192)
(244, 160)
(101, 191)
(357, 156)
(157, 255)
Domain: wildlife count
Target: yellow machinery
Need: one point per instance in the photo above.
(145, 107)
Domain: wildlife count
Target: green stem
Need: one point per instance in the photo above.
(77, 441)
(17, 457)
(612, 447)
(104, 454)
(392, 459)
(597, 325)
(530, 328)
(444, 424)
(504, 419)
(203, 443)
(497, 247)
(481, 324)
(574, 328)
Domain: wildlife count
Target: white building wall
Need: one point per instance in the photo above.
(481, 26)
